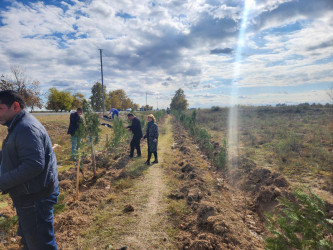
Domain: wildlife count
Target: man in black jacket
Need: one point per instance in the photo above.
(28, 172)
(74, 121)
(137, 134)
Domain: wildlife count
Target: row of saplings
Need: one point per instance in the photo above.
(298, 223)
(88, 135)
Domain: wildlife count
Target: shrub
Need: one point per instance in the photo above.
(300, 224)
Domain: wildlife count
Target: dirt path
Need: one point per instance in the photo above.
(137, 217)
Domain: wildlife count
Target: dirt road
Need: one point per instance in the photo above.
(137, 217)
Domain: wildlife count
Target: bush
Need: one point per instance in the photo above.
(300, 224)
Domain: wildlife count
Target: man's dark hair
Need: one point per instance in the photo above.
(79, 109)
(8, 97)
(129, 114)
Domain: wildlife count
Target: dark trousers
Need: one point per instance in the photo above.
(36, 223)
(135, 143)
(150, 153)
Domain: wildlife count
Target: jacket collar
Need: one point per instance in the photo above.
(16, 119)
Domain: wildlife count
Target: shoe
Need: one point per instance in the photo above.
(138, 156)
(147, 163)
(130, 156)
(156, 161)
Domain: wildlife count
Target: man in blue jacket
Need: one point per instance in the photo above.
(114, 112)
(28, 172)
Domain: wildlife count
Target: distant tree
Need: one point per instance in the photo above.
(59, 100)
(78, 99)
(66, 101)
(19, 82)
(118, 99)
(96, 98)
(330, 94)
(147, 107)
(179, 101)
(135, 106)
(53, 100)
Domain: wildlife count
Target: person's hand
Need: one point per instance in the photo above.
(155, 140)
(128, 129)
(142, 139)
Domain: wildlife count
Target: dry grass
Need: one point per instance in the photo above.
(297, 141)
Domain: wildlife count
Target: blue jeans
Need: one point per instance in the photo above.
(75, 147)
(36, 223)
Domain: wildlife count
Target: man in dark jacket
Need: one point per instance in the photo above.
(28, 172)
(137, 134)
(74, 121)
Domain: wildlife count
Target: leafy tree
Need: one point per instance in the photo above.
(301, 223)
(118, 99)
(29, 90)
(96, 97)
(65, 101)
(59, 100)
(53, 100)
(78, 99)
(179, 101)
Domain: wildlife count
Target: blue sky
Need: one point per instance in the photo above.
(285, 54)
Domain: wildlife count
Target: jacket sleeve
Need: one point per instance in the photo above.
(156, 132)
(31, 154)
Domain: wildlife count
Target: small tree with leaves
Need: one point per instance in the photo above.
(301, 223)
(92, 131)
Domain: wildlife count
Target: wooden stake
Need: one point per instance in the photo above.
(107, 143)
(77, 179)
(93, 158)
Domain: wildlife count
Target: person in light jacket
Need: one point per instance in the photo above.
(28, 172)
(152, 138)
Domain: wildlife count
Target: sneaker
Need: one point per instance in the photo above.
(130, 156)
(156, 161)
(147, 163)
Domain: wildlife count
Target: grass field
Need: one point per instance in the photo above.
(294, 140)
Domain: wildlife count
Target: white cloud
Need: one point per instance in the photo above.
(162, 47)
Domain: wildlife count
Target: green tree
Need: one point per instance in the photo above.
(78, 99)
(301, 223)
(179, 101)
(96, 97)
(53, 100)
(65, 101)
(59, 100)
(118, 99)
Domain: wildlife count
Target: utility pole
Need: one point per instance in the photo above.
(146, 100)
(100, 53)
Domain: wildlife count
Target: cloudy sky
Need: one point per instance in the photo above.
(258, 52)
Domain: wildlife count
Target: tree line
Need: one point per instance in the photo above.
(58, 100)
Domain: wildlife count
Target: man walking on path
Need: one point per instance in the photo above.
(74, 120)
(28, 172)
(137, 134)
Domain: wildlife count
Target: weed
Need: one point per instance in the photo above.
(178, 208)
(7, 224)
(60, 206)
